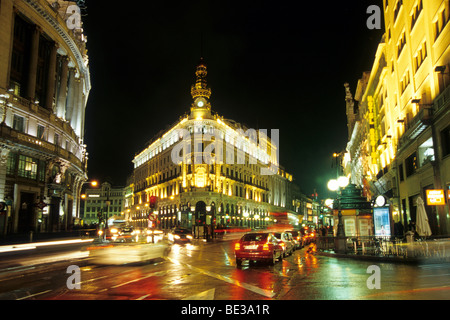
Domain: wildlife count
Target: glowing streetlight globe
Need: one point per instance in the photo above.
(333, 185)
(342, 182)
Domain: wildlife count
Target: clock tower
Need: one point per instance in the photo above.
(200, 92)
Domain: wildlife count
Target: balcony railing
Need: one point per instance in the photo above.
(40, 145)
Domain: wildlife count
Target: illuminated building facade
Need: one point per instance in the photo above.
(44, 86)
(399, 119)
(107, 201)
(210, 171)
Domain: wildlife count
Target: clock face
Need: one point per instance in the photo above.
(200, 103)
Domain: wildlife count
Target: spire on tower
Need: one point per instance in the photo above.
(201, 108)
(200, 88)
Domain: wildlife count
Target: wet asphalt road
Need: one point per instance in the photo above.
(207, 271)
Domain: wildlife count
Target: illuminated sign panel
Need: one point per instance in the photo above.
(382, 221)
(435, 197)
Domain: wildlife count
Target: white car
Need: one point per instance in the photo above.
(124, 253)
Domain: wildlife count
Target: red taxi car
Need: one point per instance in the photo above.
(258, 246)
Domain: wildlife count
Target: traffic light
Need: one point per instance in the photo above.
(153, 200)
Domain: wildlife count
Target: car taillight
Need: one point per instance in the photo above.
(282, 244)
(237, 246)
(266, 247)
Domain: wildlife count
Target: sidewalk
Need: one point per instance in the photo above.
(413, 258)
(370, 258)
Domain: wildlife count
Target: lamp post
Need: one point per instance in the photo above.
(337, 185)
(83, 196)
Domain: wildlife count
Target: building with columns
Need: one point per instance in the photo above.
(399, 116)
(44, 87)
(210, 171)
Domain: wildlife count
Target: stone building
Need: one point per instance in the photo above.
(210, 171)
(44, 86)
(106, 201)
(399, 145)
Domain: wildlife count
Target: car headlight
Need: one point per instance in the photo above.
(176, 236)
(114, 230)
(189, 237)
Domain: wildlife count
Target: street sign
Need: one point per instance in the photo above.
(435, 197)
(152, 217)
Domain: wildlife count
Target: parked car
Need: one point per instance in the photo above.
(258, 246)
(288, 244)
(298, 238)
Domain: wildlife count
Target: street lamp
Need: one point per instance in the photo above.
(83, 196)
(337, 185)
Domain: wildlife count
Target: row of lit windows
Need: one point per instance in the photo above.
(99, 209)
(41, 132)
(226, 136)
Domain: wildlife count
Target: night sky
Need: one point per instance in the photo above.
(271, 65)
